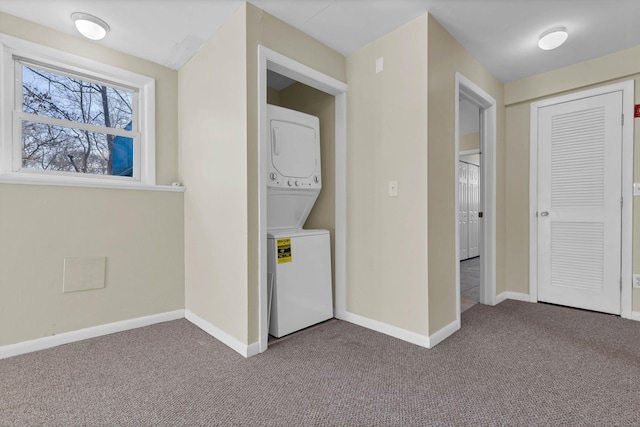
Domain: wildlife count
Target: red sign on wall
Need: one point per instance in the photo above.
(637, 111)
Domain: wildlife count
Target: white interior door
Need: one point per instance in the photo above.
(579, 203)
(474, 208)
(463, 210)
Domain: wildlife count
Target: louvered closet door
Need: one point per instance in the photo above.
(579, 212)
(463, 210)
(474, 208)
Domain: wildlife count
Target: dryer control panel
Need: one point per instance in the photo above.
(277, 180)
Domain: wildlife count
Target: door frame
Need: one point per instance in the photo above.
(626, 267)
(487, 104)
(271, 60)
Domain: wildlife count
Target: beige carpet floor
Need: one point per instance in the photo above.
(515, 364)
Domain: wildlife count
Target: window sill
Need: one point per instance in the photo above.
(87, 183)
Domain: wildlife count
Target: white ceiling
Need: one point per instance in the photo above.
(501, 34)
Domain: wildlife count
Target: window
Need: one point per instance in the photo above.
(71, 120)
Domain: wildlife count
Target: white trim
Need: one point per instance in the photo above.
(440, 335)
(469, 152)
(533, 204)
(36, 179)
(384, 328)
(75, 125)
(402, 334)
(340, 240)
(263, 299)
(271, 60)
(626, 264)
(518, 296)
(626, 268)
(144, 145)
(487, 104)
(635, 315)
(86, 333)
(245, 350)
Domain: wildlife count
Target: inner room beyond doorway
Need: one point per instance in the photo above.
(469, 203)
(469, 283)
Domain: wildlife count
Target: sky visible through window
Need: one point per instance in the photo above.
(59, 144)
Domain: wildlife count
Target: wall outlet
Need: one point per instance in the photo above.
(636, 281)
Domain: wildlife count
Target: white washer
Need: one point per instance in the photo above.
(299, 261)
(299, 269)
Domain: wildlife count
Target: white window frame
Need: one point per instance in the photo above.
(13, 49)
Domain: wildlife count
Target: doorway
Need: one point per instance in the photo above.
(475, 103)
(269, 60)
(469, 209)
(581, 181)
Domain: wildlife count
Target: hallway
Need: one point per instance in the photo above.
(469, 283)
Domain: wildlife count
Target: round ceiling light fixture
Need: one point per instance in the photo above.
(89, 26)
(553, 38)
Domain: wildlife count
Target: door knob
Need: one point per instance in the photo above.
(545, 213)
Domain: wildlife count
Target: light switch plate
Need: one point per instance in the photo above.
(636, 188)
(379, 65)
(636, 281)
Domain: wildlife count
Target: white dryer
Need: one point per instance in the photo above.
(299, 261)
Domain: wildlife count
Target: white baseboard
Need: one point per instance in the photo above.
(447, 331)
(396, 332)
(518, 296)
(635, 315)
(245, 350)
(83, 334)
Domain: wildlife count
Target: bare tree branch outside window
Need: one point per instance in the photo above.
(71, 99)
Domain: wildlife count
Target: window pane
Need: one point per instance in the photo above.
(71, 98)
(57, 148)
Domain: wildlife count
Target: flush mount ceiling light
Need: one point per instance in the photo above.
(89, 26)
(553, 38)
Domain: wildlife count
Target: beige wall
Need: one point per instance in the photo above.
(470, 141)
(219, 163)
(273, 96)
(387, 140)
(139, 232)
(166, 83)
(308, 100)
(620, 66)
(213, 152)
(446, 57)
(274, 34)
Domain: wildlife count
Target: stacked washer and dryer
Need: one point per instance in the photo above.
(299, 260)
